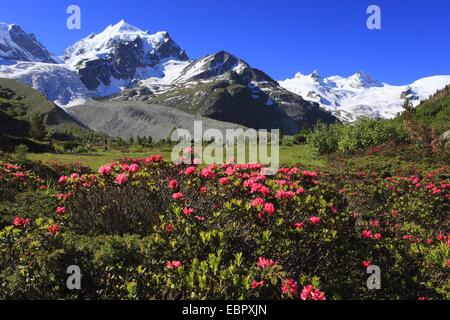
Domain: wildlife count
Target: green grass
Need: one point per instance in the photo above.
(289, 155)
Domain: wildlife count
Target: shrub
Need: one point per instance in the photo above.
(357, 137)
(21, 152)
(148, 229)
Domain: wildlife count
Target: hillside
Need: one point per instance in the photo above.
(131, 119)
(18, 103)
(15, 94)
(435, 112)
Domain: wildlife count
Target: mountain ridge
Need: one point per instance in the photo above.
(125, 63)
(360, 95)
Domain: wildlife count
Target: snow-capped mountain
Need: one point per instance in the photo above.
(16, 44)
(56, 81)
(125, 63)
(223, 87)
(120, 55)
(360, 94)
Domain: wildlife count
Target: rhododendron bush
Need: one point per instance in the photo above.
(149, 229)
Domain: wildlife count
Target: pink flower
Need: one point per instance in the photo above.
(374, 223)
(367, 264)
(190, 170)
(310, 293)
(19, 222)
(204, 190)
(256, 284)
(224, 181)
(169, 228)
(315, 220)
(74, 176)
(265, 263)
(378, 236)
(104, 170)
(207, 173)
(125, 167)
(63, 179)
(422, 298)
(134, 168)
(154, 159)
(264, 190)
(334, 210)
(309, 174)
(367, 234)
(173, 265)
(61, 210)
(285, 194)
(318, 295)
(54, 229)
(298, 225)
(43, 188)
(121, 179)
(269, 208)
(188, 211)
(300, 191)
(200, 218)
(306, 292)
(289, 287)
(258, 203)
(173, 184)
(177, 196)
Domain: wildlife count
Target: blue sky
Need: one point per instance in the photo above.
(280, 37)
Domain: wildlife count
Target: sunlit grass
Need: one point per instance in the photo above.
(289, 155)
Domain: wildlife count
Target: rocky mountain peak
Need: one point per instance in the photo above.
(118, 55)
(16, 44)
(362, 79)
(315, 75)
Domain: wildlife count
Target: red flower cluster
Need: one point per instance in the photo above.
(173, 265)
(289, 287)
(257, 284)
(311, 293)
(264, 263)
(19, 222)
(54, 229)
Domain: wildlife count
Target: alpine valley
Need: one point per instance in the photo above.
(125, 81)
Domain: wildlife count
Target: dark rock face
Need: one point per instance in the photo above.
(167, 49)
(409, 94)
(225, 88)
(31, 48)
(124, 60)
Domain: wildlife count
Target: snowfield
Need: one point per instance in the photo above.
(57, 82)
(361, 95)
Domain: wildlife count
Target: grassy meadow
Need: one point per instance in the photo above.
(289, 155)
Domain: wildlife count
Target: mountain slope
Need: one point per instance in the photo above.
(131, 119)
(435, 112)
(18, 103)
(226, 88)
(360, 94)
(111, 60)
(21, 101)
(16, 44)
